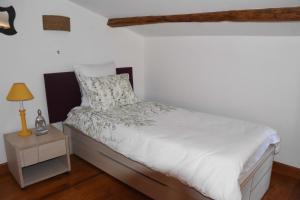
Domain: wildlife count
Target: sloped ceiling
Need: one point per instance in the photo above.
(130, 8)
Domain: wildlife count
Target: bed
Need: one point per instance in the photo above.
(60, 100)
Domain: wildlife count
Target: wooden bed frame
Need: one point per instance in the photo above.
(63, 94)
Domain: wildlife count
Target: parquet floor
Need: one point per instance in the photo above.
(86, 182)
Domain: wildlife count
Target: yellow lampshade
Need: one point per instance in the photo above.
(19, 92)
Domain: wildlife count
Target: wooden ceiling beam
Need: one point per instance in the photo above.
(287, 14)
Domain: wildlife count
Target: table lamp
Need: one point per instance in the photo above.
(20, 92)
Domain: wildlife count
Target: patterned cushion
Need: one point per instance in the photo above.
(108, 91)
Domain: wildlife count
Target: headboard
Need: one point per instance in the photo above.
(63, 93)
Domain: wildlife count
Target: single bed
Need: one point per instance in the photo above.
(254, 182)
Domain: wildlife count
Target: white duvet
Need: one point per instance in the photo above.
(204, 151)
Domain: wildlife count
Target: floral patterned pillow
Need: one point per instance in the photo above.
(106, 92)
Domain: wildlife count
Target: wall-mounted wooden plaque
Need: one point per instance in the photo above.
(56, 23)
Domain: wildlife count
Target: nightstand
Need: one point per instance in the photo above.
(35, 158)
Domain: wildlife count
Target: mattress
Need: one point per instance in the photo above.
(209, 153)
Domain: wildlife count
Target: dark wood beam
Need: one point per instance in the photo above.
(253, 15)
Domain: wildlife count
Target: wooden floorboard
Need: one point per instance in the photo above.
(86, 182)
(286, 170)
(283, 187)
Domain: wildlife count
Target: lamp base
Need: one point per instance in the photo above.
(24, 133)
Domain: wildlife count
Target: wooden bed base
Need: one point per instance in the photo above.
(157, 185)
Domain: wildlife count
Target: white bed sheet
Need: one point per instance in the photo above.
(204, 151)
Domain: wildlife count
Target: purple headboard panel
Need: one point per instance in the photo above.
(63, 93)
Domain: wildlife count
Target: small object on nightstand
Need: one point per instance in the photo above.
(40, 124)
(35, 158)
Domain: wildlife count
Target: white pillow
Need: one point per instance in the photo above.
(107, 92)
(93, 70)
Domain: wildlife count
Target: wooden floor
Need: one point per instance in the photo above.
(86, 182)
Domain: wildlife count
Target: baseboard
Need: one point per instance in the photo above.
(286, 170)
(3, 167)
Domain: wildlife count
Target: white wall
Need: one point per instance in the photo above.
(252, 78)
(25, 57)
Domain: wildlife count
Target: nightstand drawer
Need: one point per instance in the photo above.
(29, 156)
(52, 150)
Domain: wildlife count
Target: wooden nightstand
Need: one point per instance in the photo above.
(35, 158)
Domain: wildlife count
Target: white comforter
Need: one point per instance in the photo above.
(204, 151)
